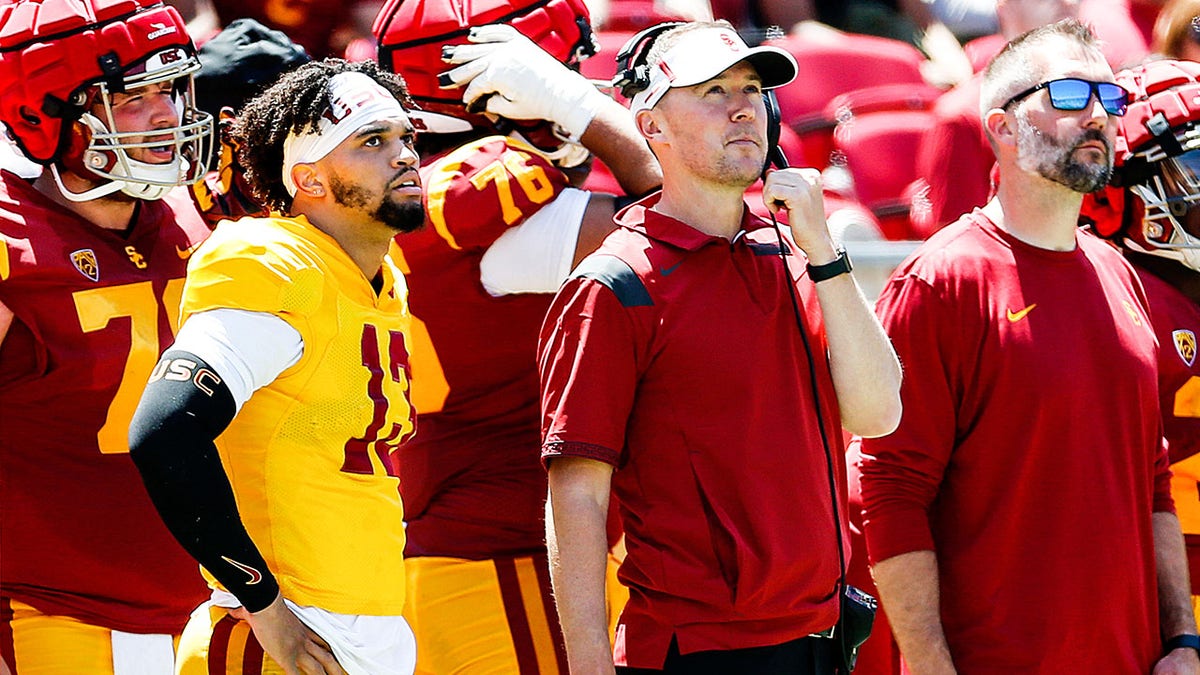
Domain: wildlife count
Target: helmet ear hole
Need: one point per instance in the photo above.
(76, 157)
(1179, 208)
(29, 116)
(81, 137)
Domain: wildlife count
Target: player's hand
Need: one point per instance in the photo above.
(1182, 661)
(506, 74)
(294, 646)
(798, 191)
(224, 193)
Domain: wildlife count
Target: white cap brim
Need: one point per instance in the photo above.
(705, 54)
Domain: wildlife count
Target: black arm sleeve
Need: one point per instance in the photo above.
(185, 406)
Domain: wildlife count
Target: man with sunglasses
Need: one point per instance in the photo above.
(954, 158)
(1018, 521)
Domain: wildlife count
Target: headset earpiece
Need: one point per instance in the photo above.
(775, 156)
(633, 75)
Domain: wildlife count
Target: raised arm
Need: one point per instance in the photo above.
(507, 74)
(866, 372)
(613, 137)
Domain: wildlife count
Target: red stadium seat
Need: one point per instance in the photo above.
(877, 136)
(791, 145)
(883, 98)
(634, 15)
(834, 64)
(981, 50)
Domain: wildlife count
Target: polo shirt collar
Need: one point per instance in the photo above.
(639, 217)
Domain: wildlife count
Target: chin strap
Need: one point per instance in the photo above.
(133, 188)
(87, 195)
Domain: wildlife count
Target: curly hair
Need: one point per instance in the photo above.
(294, 104)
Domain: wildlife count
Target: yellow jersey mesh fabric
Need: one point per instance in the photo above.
(311, 455)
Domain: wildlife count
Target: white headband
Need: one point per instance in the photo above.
(355, 100)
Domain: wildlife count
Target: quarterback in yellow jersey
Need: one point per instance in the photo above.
(507, 223)
(267, 435)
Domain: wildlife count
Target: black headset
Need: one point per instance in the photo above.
(633, 75)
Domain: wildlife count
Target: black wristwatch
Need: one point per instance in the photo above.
(841, 265)
(1189, 641)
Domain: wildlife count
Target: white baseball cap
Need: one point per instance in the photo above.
(702, 55)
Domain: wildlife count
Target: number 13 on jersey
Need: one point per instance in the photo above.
(387, 389)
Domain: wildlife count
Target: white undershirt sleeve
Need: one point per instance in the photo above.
(247, 349)
(536, 256)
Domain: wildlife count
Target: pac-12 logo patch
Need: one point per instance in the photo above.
(1185, 344)
(84, 260)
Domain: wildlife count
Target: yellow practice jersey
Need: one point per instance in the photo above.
(311, 456)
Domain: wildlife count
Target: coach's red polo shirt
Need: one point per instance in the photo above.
(676, 357)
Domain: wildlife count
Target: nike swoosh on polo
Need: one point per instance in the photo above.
(1014, 317)
(255, 575)
(666, 271)
(185, 253)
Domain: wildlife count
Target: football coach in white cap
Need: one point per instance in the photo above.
(700, 366)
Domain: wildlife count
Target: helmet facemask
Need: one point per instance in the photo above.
(108, 153)
(1170, 195)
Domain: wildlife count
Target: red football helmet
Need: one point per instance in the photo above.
(411, 34)
(60, 63)
(1158, 160)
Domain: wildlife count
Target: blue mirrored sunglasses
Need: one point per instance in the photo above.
(1071, 93)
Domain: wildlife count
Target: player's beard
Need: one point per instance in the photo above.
(405, 216)
(401, 216)
(1054, 160)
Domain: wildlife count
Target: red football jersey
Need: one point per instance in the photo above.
(471, 479)
(92, 311)
(1176, 321)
